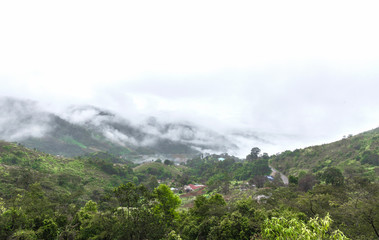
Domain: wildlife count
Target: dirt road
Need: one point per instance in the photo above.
(284, 178)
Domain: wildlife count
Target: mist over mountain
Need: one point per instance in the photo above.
(79, 129)
(83, 129)
(20, 119)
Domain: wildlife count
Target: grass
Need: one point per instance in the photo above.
(70, 140)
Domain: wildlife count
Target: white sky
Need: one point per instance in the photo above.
(307, 68)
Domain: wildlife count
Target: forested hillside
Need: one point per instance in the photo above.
(85, 177)
(179, 120)
(120, 138)
(352, 155)
(101, 196)
(79, 130)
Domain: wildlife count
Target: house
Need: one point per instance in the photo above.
(271, 178)
(259, 198)
(191, 187)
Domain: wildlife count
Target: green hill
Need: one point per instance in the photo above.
(159, 170)
(79, 130)
(70, 140)
(357, 154)
(43, 196)
(86, 177)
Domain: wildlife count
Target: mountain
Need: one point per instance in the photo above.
(43, 196)
(357, 154)
(84, 177)
(85, 129)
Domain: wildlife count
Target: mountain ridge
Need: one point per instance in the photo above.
(85, 129)
(352, 153)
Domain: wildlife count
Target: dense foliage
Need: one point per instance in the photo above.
(99, 196)
(358, 153)
(215, 172)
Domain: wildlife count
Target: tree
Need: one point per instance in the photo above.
(307, 182)
(225, 184)
(233, 226)
(168, 162)
(11, 220)
(214, 206)
(152, 183)
(84, 219)
(293, 228)
(333, 176)
(265, 156)
(369, 157)
(166, 205)
(253, 154)
(183, 179)
(260, 167)
(361, 211)
(205, 215)
(22, 234)
(135, 180)
(293, 180)
(259, 181)
(158, 160)
(136, 217)
(173, 236)
(127, 195)
(278, 181)
(48, 230)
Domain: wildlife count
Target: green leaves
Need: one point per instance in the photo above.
(167, 202)
(289, 227)
(333, 176)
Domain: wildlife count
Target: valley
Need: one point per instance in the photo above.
(47, 196)
(189, 120)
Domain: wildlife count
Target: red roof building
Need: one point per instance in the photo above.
(191, 187)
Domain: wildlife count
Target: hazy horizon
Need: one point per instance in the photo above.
(295, 73)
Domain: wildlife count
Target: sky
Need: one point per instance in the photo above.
(306, 72)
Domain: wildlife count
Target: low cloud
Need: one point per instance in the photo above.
(117, 137)
(149, 131)
(20, 119)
